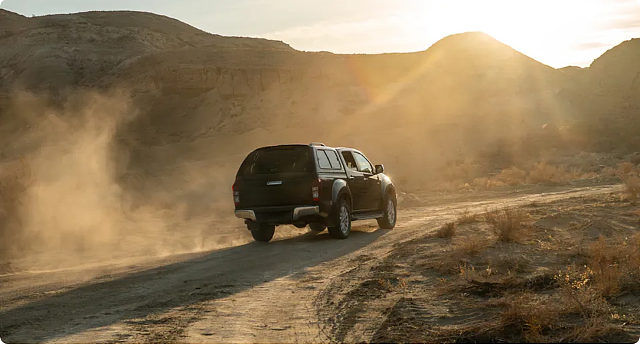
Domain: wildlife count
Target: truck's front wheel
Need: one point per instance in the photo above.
(388, 221)
(263, 232)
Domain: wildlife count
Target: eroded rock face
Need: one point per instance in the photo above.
(84, 49)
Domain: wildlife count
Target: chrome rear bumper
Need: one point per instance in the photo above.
(298, 212)
(305, 211)
(246, 214)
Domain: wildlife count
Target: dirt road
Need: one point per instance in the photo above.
(267, 293)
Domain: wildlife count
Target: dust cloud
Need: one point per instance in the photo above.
(71, 196)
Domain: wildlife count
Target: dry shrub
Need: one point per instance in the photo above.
(466, 217)
(543, 172)
(532, 317)
(484, 183)
(511, 176)
(459, 254)
(462, 171)
(595, 330)
(512, 263)
(615, 265)
(579, 295)
(625, 168)
(470, 246)
(506, 223)
(632, 185)
(609, 172)
(468, 272)
(447, 231)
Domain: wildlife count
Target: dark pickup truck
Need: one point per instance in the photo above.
(311, 185)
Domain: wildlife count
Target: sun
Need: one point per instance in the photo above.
(542, 29)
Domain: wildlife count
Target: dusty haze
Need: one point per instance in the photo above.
(68, 205)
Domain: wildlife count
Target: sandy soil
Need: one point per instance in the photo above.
(290, 290)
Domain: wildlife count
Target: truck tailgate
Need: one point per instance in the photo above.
(275, 190)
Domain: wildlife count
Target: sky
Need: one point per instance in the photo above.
(555, 32)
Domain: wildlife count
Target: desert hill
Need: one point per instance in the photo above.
(460, 96)
(190, 85)
(60, 51)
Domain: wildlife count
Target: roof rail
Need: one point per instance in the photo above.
(317, 144)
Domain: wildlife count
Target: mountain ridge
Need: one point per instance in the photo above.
(460, 95)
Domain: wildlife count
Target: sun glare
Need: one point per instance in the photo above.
(543, 29)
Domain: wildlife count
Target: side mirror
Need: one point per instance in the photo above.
(379, 169)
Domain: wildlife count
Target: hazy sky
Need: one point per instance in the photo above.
(555, 32)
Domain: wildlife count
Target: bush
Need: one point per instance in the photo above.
(511, 176)
(470, 246)
(466, 217)
(615, 265)
(447, 231)
(625, 168)
(632, 184)
(506, 223)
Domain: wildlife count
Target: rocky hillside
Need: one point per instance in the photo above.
(60, 51)
(604, 99)
(464, 96)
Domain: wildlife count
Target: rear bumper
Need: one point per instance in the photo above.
(246, 214)
(279, 214)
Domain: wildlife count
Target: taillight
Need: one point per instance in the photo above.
(316, 187)
(236, 195)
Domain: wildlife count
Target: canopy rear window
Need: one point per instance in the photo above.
(278, 160)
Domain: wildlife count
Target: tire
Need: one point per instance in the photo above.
(317, 227)
(341, 220)
(388, 221)
(263, 232)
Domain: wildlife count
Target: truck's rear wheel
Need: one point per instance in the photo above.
(388, 221)
(342, 221)
(263, 232)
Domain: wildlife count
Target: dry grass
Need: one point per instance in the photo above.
(530, 316)
(543, 172)
(538, 173)
(466, 217)
(588, 301)
(447, 231)
(511, 176)
(579, 295)
(593, 331)
(470, 246)
(632, 187)
(625, 168)
(460, 253)
(511, 263)
(615, 265)
(506, 223)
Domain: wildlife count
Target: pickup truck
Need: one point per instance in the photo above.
(314, 185)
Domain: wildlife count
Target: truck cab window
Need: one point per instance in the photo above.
(349, 160)
(363, 164)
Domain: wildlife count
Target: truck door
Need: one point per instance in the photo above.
(372, 189)
(356, 181)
